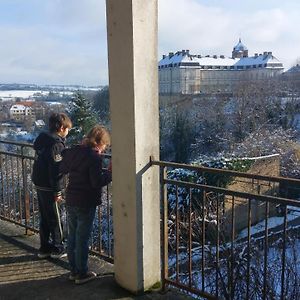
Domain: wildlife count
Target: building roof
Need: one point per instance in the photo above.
(39, 123)
(184, 58)
(26, 103)
(294, 69)
(18, 107)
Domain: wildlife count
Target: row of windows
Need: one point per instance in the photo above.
(218, 67)
(21, 112)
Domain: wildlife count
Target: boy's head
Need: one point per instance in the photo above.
(98, 137)
(60, 124)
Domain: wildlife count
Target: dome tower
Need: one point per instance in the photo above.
(240, 50)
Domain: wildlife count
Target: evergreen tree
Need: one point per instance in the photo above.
(101, 105)
(83, 117)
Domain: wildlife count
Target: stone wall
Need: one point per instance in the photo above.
(267, 166)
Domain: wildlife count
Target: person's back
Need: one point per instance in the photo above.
(48, 183)
(86, 176)
(45, 173)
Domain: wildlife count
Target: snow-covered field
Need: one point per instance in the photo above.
(21, 93)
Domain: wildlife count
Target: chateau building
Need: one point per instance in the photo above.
(186, 73)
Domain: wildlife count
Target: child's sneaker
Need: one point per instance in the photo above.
(73, 276)
(85, 278)
(43, 254)
(58, 253)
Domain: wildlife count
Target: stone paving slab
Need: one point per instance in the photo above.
(24, 276)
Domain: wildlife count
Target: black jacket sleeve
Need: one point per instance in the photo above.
(55, 176)
(98, 176)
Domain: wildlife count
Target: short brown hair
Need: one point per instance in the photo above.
(58, 120)
(98, 135)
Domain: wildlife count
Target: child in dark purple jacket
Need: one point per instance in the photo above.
(83, 163)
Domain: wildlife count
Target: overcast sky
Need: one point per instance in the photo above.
(64, 41)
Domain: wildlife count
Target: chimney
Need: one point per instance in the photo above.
(187, 52)
(171, 54)
(183, 52)
(265, 53)
(270, 53)
(256, 55)
(222, 56)
(215, 56)
(164, 56)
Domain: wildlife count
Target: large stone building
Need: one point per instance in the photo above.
(186, 73)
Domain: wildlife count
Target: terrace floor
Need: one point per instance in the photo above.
(24, 276)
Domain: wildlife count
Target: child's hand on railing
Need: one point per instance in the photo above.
(57, 198)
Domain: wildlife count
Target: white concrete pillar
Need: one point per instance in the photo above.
(133, 82)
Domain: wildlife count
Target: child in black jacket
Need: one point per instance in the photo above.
(83, 163)
(48, 183)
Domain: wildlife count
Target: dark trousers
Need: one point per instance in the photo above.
(50, 232)
(80, 224)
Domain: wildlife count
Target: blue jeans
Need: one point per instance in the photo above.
(80, 224)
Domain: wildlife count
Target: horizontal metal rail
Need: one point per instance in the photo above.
(224, 172)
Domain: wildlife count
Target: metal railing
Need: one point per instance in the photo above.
(225, 234)
(18, 198)
(221, 242)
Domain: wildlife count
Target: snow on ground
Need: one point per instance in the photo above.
(272, 222)
(21, 93)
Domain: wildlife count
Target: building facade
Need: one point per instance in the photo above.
(185, 73)
(19, 110)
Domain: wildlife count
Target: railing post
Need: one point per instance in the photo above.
(248, 247)
(266, 251)
(26, 195)
(2, 179)
(164, 230)
(283, 254)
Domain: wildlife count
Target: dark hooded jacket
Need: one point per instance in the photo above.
(86, 176)
(45, 174)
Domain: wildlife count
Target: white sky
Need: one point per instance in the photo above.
(64, 42)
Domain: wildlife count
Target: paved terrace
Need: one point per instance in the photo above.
(24, 276)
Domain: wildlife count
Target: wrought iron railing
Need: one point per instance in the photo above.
(18, 199)
(225, 234)
(225, 243)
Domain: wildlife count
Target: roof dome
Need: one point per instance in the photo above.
(240, 46)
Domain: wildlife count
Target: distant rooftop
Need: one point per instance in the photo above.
(184, 58)
(294, 69)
